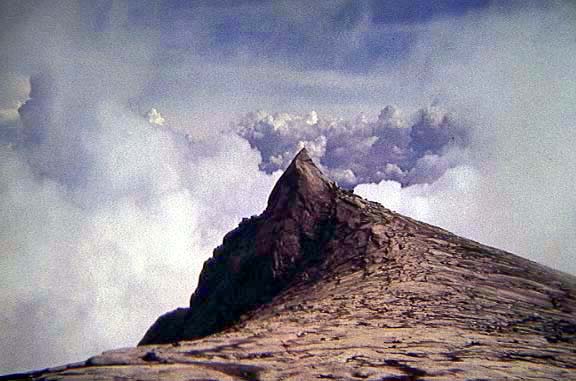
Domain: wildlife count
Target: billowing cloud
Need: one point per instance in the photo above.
(106, 213)
(510, 73)
(106, 227)
(477, 204)
(410, 149)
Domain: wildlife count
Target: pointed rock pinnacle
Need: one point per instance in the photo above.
(303, 183)
(261, 257)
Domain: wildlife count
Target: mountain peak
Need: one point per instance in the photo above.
(261, 257)
(302, 181)
(325, 284)
(302, 155)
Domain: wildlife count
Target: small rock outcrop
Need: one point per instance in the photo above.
(327, 285)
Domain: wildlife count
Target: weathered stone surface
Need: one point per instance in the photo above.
(327, 285)
(259, 258)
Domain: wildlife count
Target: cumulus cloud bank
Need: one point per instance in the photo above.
(409, 149)
(118, 173)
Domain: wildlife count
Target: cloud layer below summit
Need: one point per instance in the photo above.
(139, 143)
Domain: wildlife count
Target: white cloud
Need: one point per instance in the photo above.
(94, 195)
(478, 204)
(8, 116)
(90, 261)
(449, 202)
(154, 117)
(413, 149)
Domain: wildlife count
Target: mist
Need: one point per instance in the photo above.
(134, 135)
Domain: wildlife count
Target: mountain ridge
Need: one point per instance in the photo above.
(325, 284)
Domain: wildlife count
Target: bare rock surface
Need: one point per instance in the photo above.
(327, 285)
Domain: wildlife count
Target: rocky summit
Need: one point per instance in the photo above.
(327, 285)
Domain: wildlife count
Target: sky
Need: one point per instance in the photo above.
(135, 134)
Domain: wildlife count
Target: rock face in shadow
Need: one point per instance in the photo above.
(260, 258)
(327, 285)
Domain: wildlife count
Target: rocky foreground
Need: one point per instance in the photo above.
(327, 285)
